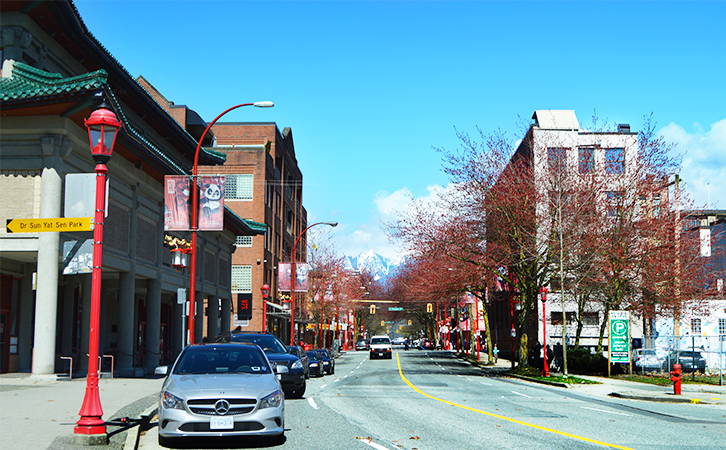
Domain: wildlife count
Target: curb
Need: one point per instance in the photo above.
(674, 399)
(535, 380)
(132, 437)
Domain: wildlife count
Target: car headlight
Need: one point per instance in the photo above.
(281, 368)
(171, 401)
(297, 364)
(313, 364)
(271, 401)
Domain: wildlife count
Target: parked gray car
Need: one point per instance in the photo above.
(220, 390)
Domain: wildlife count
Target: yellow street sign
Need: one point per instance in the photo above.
(49, 225)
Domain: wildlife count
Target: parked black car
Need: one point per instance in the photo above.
(316, 364)
(328, 361)
(296, 350)
(690, 361)
(289, 368)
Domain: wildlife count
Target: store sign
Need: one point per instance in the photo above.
(244, 306)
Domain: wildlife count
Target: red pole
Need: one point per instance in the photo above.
(514, 332)
(90, 422)
(545, 366)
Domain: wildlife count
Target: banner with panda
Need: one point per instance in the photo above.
(211, 203)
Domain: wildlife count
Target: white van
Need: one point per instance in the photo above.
(381, 347)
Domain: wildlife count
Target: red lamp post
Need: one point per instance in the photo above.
(265, 293)
(292, 274)
(545, 366)
(195, 222)
(102, 127)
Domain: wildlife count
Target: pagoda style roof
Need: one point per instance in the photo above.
(23, 82)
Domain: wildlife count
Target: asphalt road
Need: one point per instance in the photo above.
(432, 400)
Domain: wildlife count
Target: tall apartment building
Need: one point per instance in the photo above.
(263, 184)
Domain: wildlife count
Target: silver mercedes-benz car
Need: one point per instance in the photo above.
(220, 390)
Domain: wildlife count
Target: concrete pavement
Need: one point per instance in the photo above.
(40, 412)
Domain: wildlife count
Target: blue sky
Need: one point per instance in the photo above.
(370, 88)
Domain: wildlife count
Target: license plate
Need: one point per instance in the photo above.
(380, 354)
(221, 423)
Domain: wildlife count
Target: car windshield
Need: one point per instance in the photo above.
(267, 342)
(312, 355)
(214, 360)
(380, 341)
(323, 353)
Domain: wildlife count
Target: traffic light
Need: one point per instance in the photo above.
(429, 307)
(409, 321)
(373, 309)
(383, 323)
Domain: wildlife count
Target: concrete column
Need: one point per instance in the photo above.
(46, 293)
(153, 324)
(226, 314)
(212, 317)
(25, 333)
(126, 324)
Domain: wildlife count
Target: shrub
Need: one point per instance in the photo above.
(580, 360)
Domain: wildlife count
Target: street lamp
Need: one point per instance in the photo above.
(195, 223)
(545, 367)
(102, 127)
(265, 293)
(293, 275)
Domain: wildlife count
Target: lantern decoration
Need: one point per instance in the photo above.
(180, 252)
(102, 127)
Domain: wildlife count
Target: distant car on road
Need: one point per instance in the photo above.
(398, 340)
(426, 344)
(381, 347)
(316, 364)
(298, 351)
(362, 344)
(327, 360)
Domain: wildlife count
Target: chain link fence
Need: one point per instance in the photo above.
(701, 354)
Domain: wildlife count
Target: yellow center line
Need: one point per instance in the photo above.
(562, 433)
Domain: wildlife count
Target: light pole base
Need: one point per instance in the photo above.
(90, 439)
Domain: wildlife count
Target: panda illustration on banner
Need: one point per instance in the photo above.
(211, 203)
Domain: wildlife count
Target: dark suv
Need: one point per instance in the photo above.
(289, 368)
(690, 361)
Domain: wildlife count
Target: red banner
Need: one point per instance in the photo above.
(176, 202)
(284, 279)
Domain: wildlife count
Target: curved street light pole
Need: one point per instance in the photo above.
(293, 276)
(195, 207)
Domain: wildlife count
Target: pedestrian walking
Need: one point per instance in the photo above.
(496, 354)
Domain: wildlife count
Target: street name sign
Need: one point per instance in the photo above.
(619, 337)
(49, 225)
(395, 308)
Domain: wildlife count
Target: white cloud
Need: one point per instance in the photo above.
(704, 162)
(387, 207)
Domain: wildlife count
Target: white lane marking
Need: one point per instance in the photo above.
(323, 387)
(523, 395)
(373, 444)
(312, 402)
(335, 380)
(609, 412)
(486, 384)
(345, 376)
(469, 379)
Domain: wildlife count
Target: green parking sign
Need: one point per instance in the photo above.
(619, 339)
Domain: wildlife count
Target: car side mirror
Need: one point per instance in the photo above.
(161, 370)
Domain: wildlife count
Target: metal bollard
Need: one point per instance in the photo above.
(676, 379)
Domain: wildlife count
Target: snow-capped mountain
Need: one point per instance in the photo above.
(380, 266)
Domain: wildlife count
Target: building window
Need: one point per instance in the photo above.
(614, 200)
(721, 326)
(556, 318)
(614, 160)
(656, 205)
(239, 186)
(557, 158)
(696, 326)
(590, 318)
(586, 160)
(243, 241)
(242, 279)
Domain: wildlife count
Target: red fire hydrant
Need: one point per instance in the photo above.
(676, 378)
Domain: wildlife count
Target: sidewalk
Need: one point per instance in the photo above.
(612, 387)
(40, 412)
